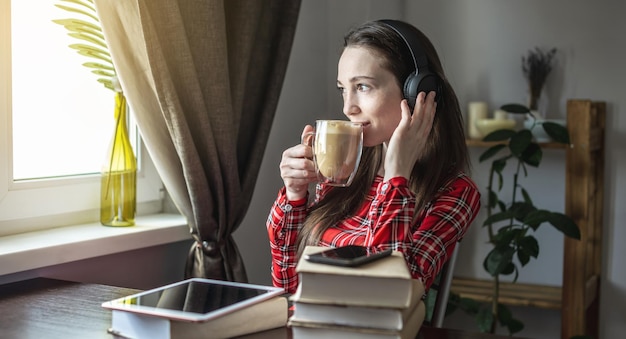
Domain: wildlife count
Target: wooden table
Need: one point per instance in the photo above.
(51, 309)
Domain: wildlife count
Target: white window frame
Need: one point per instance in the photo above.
(47, 203)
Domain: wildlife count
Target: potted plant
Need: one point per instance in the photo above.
(536, 66)
(510, 224)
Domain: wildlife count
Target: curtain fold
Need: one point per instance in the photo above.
(203, 78)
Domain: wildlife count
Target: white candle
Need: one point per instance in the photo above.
(500, 114)
(476, 110)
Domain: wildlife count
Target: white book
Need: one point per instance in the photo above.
(383, 283)
(308, 330)
(198, 308)
(358, 316)
(259, 317)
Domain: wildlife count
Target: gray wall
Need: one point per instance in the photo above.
(481, 43)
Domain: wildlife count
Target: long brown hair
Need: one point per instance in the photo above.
(446, 153)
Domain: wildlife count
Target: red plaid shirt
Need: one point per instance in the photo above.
(384, 221)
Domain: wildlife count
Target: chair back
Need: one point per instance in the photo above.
(437, 297)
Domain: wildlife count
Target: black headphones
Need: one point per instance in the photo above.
(422, 80)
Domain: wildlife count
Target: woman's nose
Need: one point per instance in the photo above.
(350, 105)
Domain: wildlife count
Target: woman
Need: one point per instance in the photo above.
(411, 192)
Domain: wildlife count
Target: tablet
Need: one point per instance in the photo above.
(195, 299)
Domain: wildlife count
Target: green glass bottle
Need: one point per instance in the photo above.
(118, 195)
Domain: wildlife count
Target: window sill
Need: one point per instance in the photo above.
(32, 250)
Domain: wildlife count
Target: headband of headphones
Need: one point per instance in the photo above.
(422, 79)
(420, 61)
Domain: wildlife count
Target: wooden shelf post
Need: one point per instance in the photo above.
(584, 182)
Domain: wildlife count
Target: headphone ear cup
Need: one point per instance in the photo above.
(416, 83)
(411, 85)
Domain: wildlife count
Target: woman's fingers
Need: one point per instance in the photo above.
(297, 168)
(408, 142)
(296, 163)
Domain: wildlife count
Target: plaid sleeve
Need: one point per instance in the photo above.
(428, 241)
(283, 223)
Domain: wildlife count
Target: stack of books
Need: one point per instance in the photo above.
(375, 300)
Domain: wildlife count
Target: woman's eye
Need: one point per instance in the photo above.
(341, 90)
(362, 87)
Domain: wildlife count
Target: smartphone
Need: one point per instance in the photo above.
(349, 256)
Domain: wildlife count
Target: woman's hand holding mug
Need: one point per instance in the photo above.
(329, 154)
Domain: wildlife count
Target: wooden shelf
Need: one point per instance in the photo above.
(579, 297)
(513, 294)
(485, 144)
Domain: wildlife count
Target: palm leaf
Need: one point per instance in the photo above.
(87, 4)
(71, 24)
(92, 52)
(107, 82)
(83, 30)
(103, 73)
(99, 66)
(88, 38)
(79, 11)
(92, 43)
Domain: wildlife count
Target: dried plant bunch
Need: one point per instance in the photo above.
(537, 65)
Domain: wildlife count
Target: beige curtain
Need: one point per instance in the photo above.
(203, 79)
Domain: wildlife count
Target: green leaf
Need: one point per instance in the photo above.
(564, 224)
(509, 269)
(88, 38)
(490, 152)
(499, 165)
(556, 131)
(535, 218)
(79, 11)
(497, 217)
(453, 302)
(90, 33)
(505, 317)
(91, 49)
(515, 108)
(532, 155)
(492, 199)
(498, 260)
(523, 258)
(86, 3)
(78, 25)
(91, 52)
(526, 196)
(514, 326)
(484, 320)
(99, 66)
(499, 135)
(504, 314)
(502, 205)
(529, 245)
(496, 167)
(506, 235)
(519, 142)
(84, 30)
(107, 83)
(516, 273)
(469, 306)
(103, 73)
(521, 209)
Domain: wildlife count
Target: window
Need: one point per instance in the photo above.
(52, 113)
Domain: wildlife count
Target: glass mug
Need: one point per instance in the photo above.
(337, 147)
